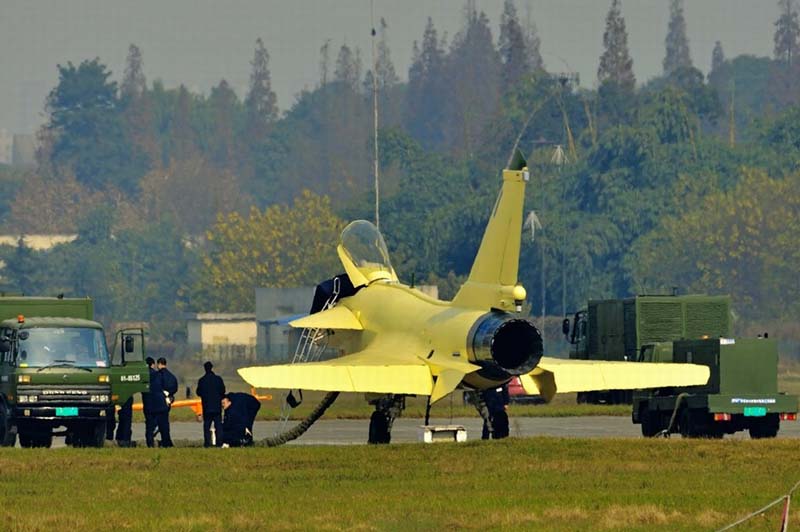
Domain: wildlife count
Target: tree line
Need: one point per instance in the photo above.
(184, 201)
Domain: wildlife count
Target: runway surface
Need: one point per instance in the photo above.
(354, 431)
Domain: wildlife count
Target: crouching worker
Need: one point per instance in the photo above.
(240, 414)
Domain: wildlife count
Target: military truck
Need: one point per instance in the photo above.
(56, 371)
(742, 392)
(616, 329)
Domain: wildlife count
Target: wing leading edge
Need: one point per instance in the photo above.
(556, 375)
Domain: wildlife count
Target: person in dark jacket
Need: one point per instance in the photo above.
(170, 388)
(125, 426)
(154, 404)
(240, 414)
(496, 401)
(211, 390)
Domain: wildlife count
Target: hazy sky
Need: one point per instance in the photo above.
(199, 42)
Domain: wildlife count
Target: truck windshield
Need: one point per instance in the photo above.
(68, 346)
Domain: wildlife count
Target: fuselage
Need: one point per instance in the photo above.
(398, 318)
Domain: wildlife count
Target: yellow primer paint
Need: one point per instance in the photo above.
(401, 341)
(333, 318)
(555, 375)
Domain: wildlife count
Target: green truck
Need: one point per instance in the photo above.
(57, 372)
(617, 329)
(741, 394)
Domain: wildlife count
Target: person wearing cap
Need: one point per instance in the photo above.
(211, 390)
(169, 389)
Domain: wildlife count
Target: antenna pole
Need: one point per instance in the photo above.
(375, 116)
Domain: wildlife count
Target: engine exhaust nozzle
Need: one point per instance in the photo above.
(507, 342)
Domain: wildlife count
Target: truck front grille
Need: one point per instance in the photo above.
(53, 394)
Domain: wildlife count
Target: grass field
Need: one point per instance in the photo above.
(526, 484)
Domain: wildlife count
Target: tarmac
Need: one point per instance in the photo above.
(407, 430)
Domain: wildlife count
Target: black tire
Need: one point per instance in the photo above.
(30, 439)
(8, 437)
(379, 429)
(89, 435)
(686, 424)
(765, 428)
(649, 421)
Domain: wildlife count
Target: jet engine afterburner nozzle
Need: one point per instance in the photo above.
(507, 342)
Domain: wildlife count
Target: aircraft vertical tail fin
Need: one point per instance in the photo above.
(493, 278)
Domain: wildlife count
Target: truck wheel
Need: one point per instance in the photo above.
(96, 434)
(30, 439)
(8, 438)
(765, 428)
(686, 424)
(649, 421)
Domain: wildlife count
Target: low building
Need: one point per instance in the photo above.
(222, 336)
(275, 307)
(37, 242)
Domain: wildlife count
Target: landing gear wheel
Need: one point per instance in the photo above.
(379, 429)
(8, 437)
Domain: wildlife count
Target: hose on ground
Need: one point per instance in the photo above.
(666, 432)
(299, 429)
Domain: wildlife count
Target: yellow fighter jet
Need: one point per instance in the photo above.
(397, 341)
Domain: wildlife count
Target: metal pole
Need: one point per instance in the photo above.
(375, 115)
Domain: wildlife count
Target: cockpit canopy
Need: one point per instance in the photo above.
(364, 255)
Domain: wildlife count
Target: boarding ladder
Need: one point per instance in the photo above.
(310, 347)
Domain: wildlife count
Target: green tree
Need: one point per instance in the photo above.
(676, 43)
(787, 32)
(742, 242)
(717, 57)
(426, 94)
(616, 65)
(87, 129)
(348, 67)
(473, 73)
(512, 46)
(225, 112)
(280, 246)
(260, 103)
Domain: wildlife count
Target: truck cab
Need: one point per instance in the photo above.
(56, 372)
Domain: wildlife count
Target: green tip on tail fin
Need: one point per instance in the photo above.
(517, 161)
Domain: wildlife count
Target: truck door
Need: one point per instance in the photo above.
(129, 372)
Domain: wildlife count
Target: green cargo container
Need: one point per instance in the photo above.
(56, 371)
(741, 393)
(616, 329)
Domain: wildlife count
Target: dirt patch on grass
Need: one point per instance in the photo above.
(618, 517)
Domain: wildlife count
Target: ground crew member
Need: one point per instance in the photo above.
(153, 404)
(240, 414)
(496, 401)
(170, 387)
(211, 390)
(124, 427)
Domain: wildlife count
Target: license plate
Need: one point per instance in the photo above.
(755, 411)
(66, 410)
